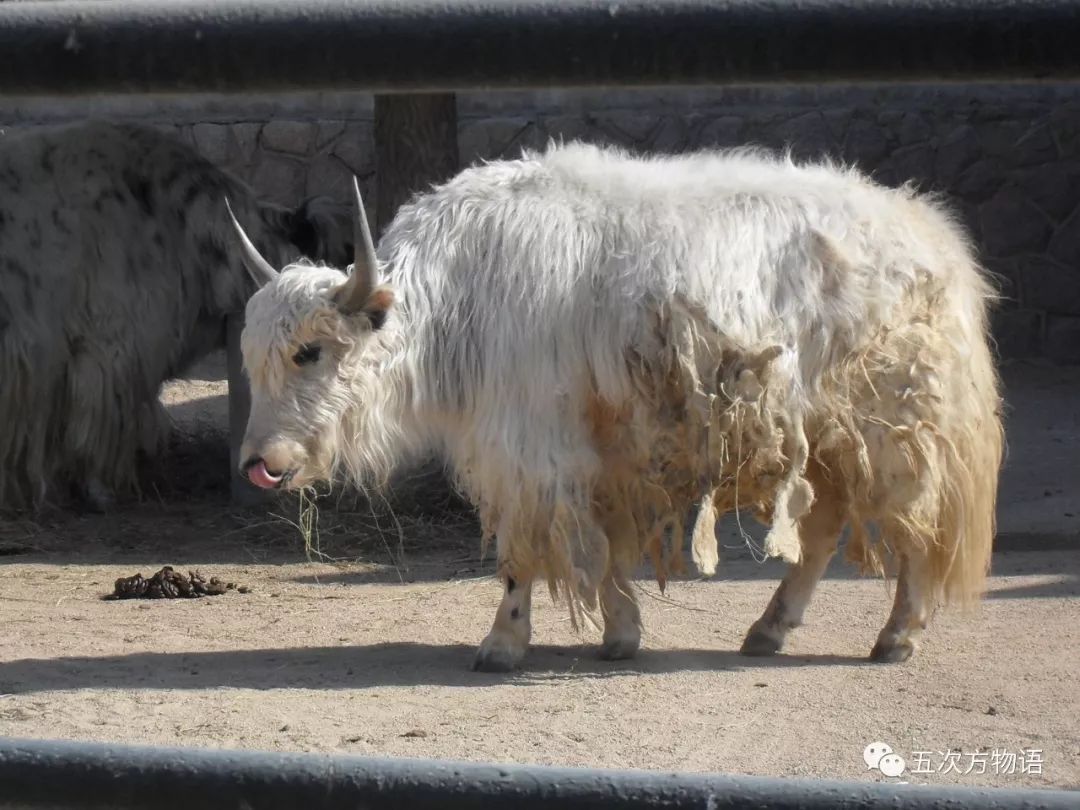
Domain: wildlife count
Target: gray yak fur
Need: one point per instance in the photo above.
(117, 266)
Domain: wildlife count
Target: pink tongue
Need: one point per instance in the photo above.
(261, 477)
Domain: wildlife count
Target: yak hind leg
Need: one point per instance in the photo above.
(819, 533)
(504, 647)
(899, 638)
(154, 426)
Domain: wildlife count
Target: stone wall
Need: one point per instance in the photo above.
(1008, 157)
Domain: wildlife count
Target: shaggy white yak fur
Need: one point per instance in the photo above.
(595, 341)
(117, 266)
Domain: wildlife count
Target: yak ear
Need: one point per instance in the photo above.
(260, 270)
(356, 293)
(378, 306)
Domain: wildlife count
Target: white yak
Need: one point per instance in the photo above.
(594, 342)
(117, 267)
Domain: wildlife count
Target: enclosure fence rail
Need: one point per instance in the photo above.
(82, 46)
(61, 775)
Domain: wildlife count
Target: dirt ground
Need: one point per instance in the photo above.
(367, 650)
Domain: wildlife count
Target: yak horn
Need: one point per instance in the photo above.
(260, 270)
(354, 293)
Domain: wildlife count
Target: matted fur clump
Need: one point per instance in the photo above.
(596, 342)
(117, 267)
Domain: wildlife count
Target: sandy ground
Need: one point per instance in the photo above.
(371, 655)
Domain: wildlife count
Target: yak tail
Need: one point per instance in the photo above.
(960, 557)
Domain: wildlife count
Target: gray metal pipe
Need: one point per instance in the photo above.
(90, 46)
(61, 775)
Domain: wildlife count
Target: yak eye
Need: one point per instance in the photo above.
(309, 353)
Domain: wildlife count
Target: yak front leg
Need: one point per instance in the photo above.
(622, 618)
(505, 645)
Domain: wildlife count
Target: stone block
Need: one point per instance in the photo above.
(670, 137)
(1004, 275)
(279, 179)
(867, 143)
(885, 175)
(474, 144)
(502, 132)
(999, 138)
(1064, 123)
(955, 152)
(1062, 343)
(915, 162)
(1065, 244)
(355, 147)
(631, 129)
(808, 135)
(914, 129)
(979, 181)
(1035, 146)
(838, 119)
(329, 176)
(327, 132)
(1054, 187)
(968, 215)
(1018, 333)
(212, 140)
(290, 137)
(488, 139)
(1051, 286)
(531, 137)
(887, 116)
(724, 131)
(1011, 224)
(185, 136)
(245, 138)
(569, 128)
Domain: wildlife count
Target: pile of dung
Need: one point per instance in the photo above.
(170, 584)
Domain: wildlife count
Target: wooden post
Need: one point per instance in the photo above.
(243, 492)
(415, 146)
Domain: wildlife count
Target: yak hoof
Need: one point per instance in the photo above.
(493, 661)
(496, 656)
(895, 653)
(97, 497)
(619, 649)
(99, 506)
(759, 644)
